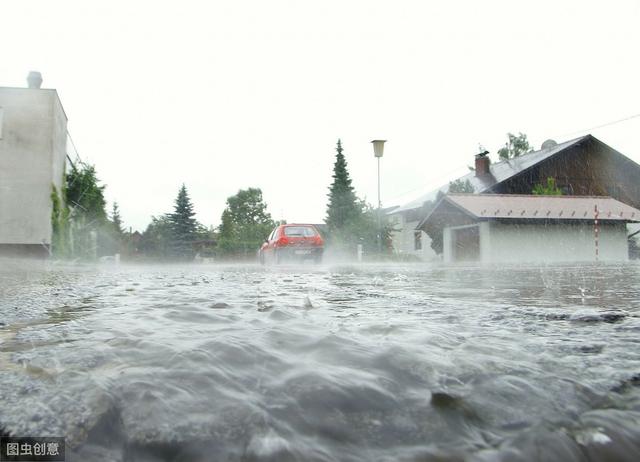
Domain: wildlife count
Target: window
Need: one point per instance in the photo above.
(417, 240)
(300, 231)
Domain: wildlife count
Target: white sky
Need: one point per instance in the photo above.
(223, 95)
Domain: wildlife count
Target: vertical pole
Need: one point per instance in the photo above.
(596, 231)
(72, 249)
(379, 211)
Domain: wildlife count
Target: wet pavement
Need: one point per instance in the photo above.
(344, 362)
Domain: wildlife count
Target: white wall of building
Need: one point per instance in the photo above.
(537, 243)
(403, 240)
(559, 243)
(32, 158)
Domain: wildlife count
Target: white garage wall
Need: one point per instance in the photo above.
(553, 243)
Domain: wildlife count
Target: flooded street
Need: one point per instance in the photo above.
(327, 363)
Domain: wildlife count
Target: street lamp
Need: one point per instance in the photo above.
(378, 149)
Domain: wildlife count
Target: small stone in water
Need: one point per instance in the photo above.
(442, 399)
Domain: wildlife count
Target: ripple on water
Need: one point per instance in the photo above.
(301, 363)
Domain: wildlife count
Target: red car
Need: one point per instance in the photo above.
(292, 242)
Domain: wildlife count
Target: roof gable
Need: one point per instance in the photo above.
(500, 171)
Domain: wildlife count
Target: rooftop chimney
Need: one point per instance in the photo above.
(482, 164)
(34, 79)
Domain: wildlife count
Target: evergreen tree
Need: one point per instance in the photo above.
(115, 233)
(351, 221)
(344, 206)
(116, 219)
(184, 227)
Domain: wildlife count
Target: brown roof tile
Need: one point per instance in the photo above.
(514, 206)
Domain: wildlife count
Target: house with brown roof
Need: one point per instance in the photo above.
(525, 228)
(583, 166)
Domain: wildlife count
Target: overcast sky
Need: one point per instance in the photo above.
(223, 95)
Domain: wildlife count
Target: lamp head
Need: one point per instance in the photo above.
(378, 147)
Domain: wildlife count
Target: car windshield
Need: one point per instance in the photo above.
(301, 231)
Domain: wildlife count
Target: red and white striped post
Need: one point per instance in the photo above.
(596, 230)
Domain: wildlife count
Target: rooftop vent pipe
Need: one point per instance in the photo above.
(34, 79)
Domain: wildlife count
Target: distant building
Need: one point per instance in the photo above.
(493, 228)
(584, 166)
(33, 137)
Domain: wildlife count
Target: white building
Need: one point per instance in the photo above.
(523, 228)
(33, 137)
(406, 239)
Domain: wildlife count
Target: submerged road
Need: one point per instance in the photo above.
(327, 363)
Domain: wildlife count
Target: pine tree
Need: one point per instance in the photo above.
(116, 219)
(184, 227)
(344, 207)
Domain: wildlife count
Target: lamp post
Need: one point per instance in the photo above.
(378, 149)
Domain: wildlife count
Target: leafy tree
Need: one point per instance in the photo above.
(550, 189)
(60, 245)
(459, 186)
(515, 146)
(157, 238)
(245, 223)
(344, 206)
(228, 238)
(184, 227)
(362, 230)
(85, 196)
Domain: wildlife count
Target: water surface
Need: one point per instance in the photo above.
(328, 363)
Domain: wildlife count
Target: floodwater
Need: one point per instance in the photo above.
(327, 363)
